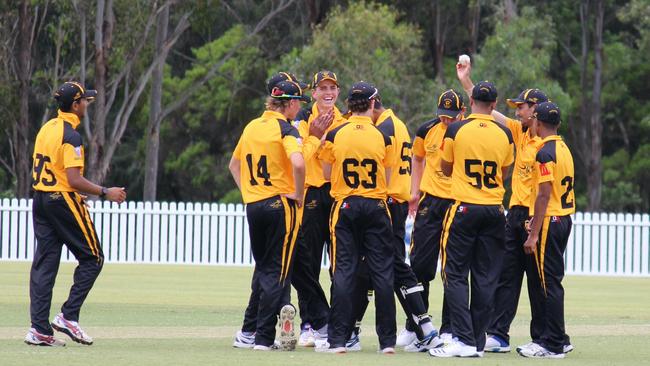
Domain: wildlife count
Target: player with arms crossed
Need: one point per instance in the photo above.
(476, 153)
(552, 203)
(357, 157)
(269, 169)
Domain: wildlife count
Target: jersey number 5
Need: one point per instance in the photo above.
(488, 177)
(351, 176)
(262, 170)
(41, 163)
(405, 154)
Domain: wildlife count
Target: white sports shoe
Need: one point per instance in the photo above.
(388, 351)
(306, 338)
(354, 343)
(259, 347)
(324, 347)
(287, 334)
(34, 338)
(428, 342)
(496, 344)
(72, 329)
(529, 344)
(405, 338)
(244, 341)
(454, 348)
(568, 348)
(537, 351)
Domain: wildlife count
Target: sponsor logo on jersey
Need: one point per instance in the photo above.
(432, 148)
(543, 170)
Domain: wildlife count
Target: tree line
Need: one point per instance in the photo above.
(178, 80)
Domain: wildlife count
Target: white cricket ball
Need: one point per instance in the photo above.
(463, 60)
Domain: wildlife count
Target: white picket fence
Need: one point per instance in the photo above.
(217, 234)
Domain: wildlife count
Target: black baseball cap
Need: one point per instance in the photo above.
(283, 76)
(547, 112)
(450, 104)
(71, 91)
(528, 96)
(287, 90)
(484, 91)
(324, 75)
(362, 90)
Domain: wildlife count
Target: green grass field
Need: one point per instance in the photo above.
(187, 315)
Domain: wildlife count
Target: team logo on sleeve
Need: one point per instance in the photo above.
(77, 151)
(543, 170)
(299, 139)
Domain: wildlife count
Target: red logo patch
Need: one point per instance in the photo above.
(543, 170)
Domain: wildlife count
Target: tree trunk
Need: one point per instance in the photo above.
(153, 127)
(20, 133)
(509, 10)
(474, 23)
(98, 139)
(595, 170)
(440, 35)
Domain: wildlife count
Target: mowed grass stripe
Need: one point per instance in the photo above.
(367, 331)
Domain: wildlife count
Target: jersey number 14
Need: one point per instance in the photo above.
(262, 170)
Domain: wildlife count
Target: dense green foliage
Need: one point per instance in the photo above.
(407, 48)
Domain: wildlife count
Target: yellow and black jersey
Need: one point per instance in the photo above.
(58, 146)
(479, 148)
(554, 163)
(313, 169)
(399, 186)
(359, 154)
(426, 144)
(264, 149)
(522, 175)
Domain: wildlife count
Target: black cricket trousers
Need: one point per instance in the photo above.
(506, 297)
(472, 242)
(273, 227)
(61, 218)
(361, 227)
(407, 288)
(425, 249)
(313, 236)
(547, 295)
